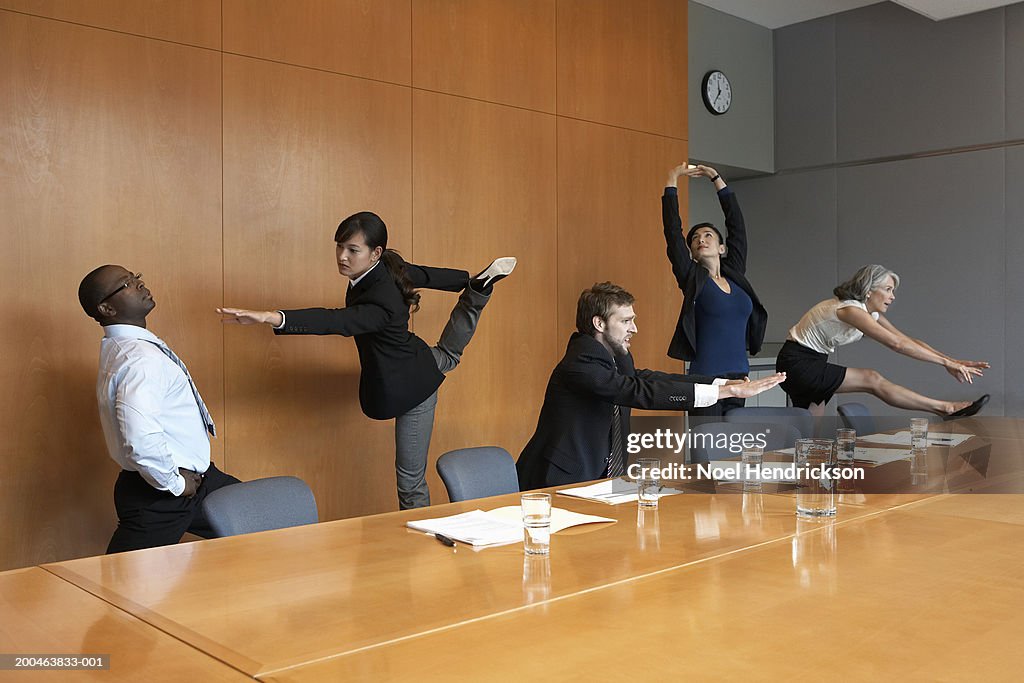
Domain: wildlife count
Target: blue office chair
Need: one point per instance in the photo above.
(260, 505)
(800, 418)
(478, 472)
(704, 438)
(856, 417)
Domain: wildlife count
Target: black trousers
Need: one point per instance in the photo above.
(148, 518)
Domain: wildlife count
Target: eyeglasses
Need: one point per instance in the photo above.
(132, 279)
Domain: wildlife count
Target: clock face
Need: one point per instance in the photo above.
(716, 92)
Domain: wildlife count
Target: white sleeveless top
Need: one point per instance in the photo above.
(821, 330)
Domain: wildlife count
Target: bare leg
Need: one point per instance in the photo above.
(872, 382)
(817, 409)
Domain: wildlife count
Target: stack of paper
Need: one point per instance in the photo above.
(903, 439)
(612, 492)
(497, 527)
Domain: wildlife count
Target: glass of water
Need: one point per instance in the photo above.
(919, 433)
(846, 444)
(648, 484)
(536, 509)
(815, 460)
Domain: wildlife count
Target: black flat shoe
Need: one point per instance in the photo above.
(972, 409)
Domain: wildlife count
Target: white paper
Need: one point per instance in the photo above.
(903, 439)
(612, 492)
(475, 527)
(560, 518)
(879, 456)
(497, 527)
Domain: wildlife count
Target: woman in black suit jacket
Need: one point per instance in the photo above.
(400, 373)
(722, 318)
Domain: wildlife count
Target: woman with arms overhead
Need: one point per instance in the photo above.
(721, 319)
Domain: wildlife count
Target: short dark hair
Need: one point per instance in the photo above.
(89, 293)
(599, 300)
(689, 235)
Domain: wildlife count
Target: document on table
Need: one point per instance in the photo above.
(501, 526)
(612, 492)
(903, 439)
(880, 456)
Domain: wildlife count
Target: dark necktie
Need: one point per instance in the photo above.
(207, 419)
(616, 459)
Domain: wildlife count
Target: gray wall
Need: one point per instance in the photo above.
(743, 51)
(898, 142)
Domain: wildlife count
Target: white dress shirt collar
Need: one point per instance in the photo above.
(353, 283)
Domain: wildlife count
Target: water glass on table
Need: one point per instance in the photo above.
(536, 509)
(753, 458)
(919, 434)
(648, 483)
(815, 458)
(846, 444)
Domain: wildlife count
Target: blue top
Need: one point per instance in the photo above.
(721, 322)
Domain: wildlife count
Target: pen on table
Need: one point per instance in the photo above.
(444, 540)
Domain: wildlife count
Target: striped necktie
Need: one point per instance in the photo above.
(616, 459)
(207, 419)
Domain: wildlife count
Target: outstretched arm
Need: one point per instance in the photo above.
(678, 252)
(975, 364)
(348, 321)
(901, 343)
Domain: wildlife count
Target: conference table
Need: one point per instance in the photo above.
(917, 577)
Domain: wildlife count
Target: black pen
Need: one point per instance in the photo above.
(444, 540)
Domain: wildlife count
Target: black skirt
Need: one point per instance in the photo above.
(810, 378)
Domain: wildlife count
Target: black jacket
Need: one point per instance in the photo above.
(573, 434)
(691, 276)
(398, 369)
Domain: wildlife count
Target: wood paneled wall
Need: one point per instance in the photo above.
(215, 144)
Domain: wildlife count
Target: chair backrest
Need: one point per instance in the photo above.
(478, 472)
(800, 418)
(712, 440)
(260, 505)
(856, 417)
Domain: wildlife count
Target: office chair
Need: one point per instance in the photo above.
(260, 505)
(478, 472)
(856, 417)
(777, 436)
(800, 418)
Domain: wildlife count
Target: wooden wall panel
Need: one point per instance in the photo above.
(354, 37)
(483, 187)
(609, 227)
(111, 154)
(491, 50)
(193, 22)
(624, 63)
(303, 150)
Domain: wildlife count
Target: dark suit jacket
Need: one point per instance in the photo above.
(573, 434)
(398, 369)
(691, 276)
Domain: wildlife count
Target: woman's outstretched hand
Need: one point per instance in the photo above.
(966, 371)
(241, 316)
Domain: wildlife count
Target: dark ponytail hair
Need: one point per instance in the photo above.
(375, 234)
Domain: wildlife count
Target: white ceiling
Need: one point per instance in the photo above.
(777, 13)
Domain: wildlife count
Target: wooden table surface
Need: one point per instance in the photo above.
(43, 614)
(905, 595)
(719, 582)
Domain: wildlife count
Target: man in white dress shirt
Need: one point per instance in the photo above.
(154, 420)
